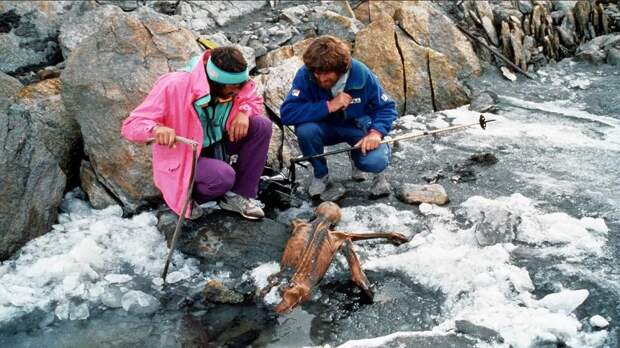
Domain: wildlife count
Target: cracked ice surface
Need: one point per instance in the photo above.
(90, 258)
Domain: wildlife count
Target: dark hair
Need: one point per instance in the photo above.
(327, 53)
(229, 59)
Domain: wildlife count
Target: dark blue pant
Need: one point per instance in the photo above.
(313, 136)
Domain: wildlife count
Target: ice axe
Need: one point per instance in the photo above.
(482, 122)
(188, 199)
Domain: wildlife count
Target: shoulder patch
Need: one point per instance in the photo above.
(295, 93)
(384, 97)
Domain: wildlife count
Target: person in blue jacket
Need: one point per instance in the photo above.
(335, 99)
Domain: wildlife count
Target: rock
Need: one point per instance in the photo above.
(415, 194)
(345, 28)
(565, 301)
(596, 50)
(362, 12)
(216, 291)
(599, 322)
(31, 181)
(82, 21)
(59, 131)
(483, 102)
(431, 27)
(448, 92)
(278, 56)
(98, 197)
(481, 332)
(419, 98)
(274, 86)
(613, 56)
(138, 302)
(486, 18)
(28, 34)
(8, 89)
(203, 16)
(233, 244)
(508, 74)
(150, 45)
(376, 46)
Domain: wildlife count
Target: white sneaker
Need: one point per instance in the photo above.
(356, 174)
(380, 186)
(318, 185)
(248, 208)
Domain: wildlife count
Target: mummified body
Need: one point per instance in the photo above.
(310, 251)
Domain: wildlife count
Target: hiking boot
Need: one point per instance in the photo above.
(380, 186)
(196, 212)
(318, 185)
(356, 174)
(248, 208)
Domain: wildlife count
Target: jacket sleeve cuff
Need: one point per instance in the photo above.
(379, 133)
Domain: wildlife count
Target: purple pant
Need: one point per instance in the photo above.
(215, 177)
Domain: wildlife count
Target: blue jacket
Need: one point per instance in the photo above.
(370, 107)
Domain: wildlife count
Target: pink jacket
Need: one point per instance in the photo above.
(170, 103)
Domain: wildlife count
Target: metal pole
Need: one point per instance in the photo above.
(481, 122)
(188, 199)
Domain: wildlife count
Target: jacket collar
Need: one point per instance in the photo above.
(357, 78)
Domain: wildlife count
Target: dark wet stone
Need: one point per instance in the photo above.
(335, 191)
(484, 102)
(483, 158)
(478, 331)
(216, 291)
(224, 241)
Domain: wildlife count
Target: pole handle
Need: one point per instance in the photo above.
(177, 138)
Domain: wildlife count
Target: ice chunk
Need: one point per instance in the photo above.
(62, 310)
(599, 322)
(73, 286)
(597, 225)
(263, 271)
(118, 278)
(175, 277)
(138, 302)
(564, 301)
(87, 251)
(111, 297)
(79, 312)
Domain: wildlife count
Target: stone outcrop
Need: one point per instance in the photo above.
(109, 75)
(531, 33)
(274, 86)
(9, 86)
(345, 28)
(31, 180)
(28, 33)
(603, 49)
(84, 19)
(376, 46)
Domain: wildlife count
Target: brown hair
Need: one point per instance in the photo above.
(327, 53)
(229, 59)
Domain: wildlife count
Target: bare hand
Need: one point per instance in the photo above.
(239, 127)
(369, 142)
(165, 136)
(340, 101)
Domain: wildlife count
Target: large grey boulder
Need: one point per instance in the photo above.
(332, 23)
(597, 49)
(8, 89)
(59, 131)
(204, 16)
(84, 19)
(31, 181)
(108, 76)
(274, 86)
(28, 33)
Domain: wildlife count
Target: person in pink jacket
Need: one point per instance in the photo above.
(215, 104)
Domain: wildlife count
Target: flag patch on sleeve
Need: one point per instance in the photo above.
(295, 93)
(384, 97)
